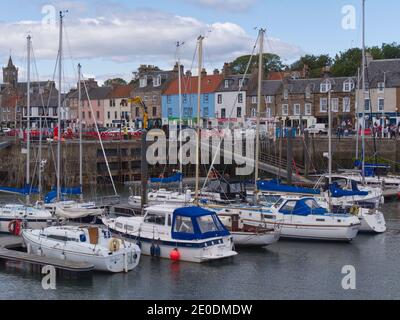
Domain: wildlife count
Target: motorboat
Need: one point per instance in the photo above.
(178, 233)
(162, 196)
(74, 210)
(92, 245)
(14, 217)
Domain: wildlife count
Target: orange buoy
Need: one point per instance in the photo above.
(175, 255)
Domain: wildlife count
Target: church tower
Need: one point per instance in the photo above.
(10, 74)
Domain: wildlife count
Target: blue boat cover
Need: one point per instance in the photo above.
(175, 178)
(212, 228)
(338, 192)
(276, 186)
(370, 168)
(52, 195)
(22, 191)
(303, 209)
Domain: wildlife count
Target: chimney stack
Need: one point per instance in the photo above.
(203, 72)
(226, 71)
(216, 72)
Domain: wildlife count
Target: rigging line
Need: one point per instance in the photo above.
(101, 141)
(230, 115)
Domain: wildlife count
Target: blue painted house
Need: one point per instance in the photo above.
(170, 99)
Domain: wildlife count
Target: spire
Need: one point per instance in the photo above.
(10, 63)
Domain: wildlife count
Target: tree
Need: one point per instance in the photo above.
(347, 63)
(115, 81)
(314, 63)
(391, 51)
(272, 62)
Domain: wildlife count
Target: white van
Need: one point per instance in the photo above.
(319, 128)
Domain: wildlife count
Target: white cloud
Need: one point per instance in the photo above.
(228, 5)
(141, 37)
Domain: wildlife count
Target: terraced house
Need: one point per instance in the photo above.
(170, 99)
(381, 99)
(117, 108)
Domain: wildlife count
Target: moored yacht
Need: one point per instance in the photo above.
(188, 234)
(92, 245)
(14, 217)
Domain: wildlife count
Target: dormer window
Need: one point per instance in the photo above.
(226, 84)
(308, 92)
(157, 81)
(325, 86)
(348, 85)
(286, 94)
(143, 82)
(381, 87)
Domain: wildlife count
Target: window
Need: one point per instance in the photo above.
(269, 113)
(115, 115)
(239, 112)
(90, 115)
(205, 98)
(220, 99)
(112, 103)
(137, 112)
(381, 104)
(285, 109)
(381, 87)
(268, 99)
(253, 112)
(157, 81)
(253, 100)
(145, 98)
(143, 82)
(98, 114)
(205, 112)
(226, 84)
(240, 98)
(108, 115)
(83, 115)
(297, 109)
(288, 207)
(155, 218)
(98, 103)
(223, 113)
(206, 224)
(183, 225)
(308, 92)
(307, 109)
(184, 98)
(346, 104)
(169, 100)
(335, 105)
(286, 94)
(169, 112)
(367, 104)
(323, 105)
(154, 111)
(348, 85)
(154, 98)
(325, 86)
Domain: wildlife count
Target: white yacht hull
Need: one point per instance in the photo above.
(115, 263)
(372, 222)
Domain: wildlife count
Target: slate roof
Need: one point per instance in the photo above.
(378, 68)
(234, 83)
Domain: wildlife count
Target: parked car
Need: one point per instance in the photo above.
(318, 128)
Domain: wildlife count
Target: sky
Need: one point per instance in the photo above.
(112, 38)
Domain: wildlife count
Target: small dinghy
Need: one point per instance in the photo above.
(92, 245)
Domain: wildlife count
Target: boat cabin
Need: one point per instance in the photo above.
(299, 207)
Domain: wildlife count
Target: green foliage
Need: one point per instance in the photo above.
(115, 81)
(272, 62)
(315, 64)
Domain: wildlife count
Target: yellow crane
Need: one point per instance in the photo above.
(139, 101)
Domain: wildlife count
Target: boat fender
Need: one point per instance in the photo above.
(354, 210)
(114, 245)
(152, 249)
(139, 244)
(14, 227)
(175, 255)
(157, 251)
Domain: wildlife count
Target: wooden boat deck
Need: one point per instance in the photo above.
(8, 243)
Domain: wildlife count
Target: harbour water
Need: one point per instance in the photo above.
(286, 270)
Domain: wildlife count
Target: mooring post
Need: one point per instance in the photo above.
(289, 156)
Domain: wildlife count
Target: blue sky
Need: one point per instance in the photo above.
(111, 38)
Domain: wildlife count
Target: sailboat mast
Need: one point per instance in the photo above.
(363, 90)
(28, 122)
(59, 111)
(80, 130)
(180, 114)
(357, 114)
(200, 68)
(330, 136)
(260, 77)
